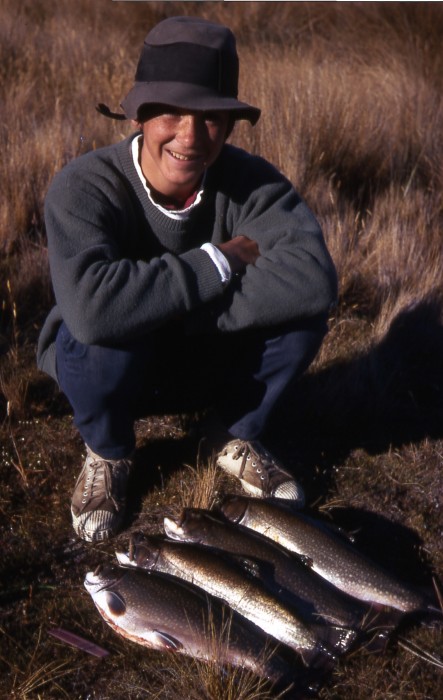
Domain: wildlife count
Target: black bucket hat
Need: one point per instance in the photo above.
(189, 63)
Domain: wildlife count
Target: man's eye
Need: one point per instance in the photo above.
(167, 112)
(213, 117)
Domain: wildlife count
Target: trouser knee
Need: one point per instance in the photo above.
(278, 357)
(102, 385)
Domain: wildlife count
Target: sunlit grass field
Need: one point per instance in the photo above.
(352, 102)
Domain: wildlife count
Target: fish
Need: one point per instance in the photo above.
(330, 555)
(285, 574)
(238, 587)
(162, 612)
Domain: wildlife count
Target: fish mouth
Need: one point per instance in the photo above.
(95, 582)
(124, 559)
(173, 527)
(100, 579)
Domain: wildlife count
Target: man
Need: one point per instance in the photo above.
(184, 269)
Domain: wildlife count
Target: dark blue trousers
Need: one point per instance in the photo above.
(241, 375)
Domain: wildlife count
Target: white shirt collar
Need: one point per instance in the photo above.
(179, 214)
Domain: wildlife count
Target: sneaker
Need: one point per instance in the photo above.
(259, 472)
(99, 498)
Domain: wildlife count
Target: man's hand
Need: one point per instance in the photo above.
(240, 252)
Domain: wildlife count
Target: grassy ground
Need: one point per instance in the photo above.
(352, 108)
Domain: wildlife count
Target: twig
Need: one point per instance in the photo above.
(79, 642)
(419, 652)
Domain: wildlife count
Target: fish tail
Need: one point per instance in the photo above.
(342, 638)
(336, 637)
(319, 658)
(378, 627)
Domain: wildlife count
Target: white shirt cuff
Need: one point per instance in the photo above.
(219, 260)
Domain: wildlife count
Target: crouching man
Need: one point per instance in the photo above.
(185, 271)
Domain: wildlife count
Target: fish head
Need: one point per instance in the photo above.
(98, 584)
(102, 577)
(187, 527)
(135, 605)
(235, 508)
(142, 554)
(196, 525)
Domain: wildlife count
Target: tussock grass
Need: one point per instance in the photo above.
(352, 109)
(30, 676)
(201, 486)
(208, 680)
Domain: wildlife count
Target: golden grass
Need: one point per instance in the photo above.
(352, 105)
(212, 680)
(30, 675)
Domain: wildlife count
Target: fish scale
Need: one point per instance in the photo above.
(288, 577)
(164, 613)
(332, 557)
(223, 578)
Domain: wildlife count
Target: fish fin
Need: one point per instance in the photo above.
(381, 620)
(166, 641)
(378, 626)
(345, 638)
(320, 658)
(336, 637)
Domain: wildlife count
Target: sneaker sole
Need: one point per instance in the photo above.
(92, 534)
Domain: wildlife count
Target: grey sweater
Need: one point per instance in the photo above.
(121, 268)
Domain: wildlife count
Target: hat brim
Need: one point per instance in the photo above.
(185, 96)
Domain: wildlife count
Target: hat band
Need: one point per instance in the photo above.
(188, 63)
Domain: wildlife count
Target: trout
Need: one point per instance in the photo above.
(243, 592)
(327, 553)
(161, 612)
(286, 575)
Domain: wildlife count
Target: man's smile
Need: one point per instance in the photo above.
(180, 156)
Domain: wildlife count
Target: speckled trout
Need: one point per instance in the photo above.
(286, 575)
(164, 613)
(328, 554)
(237, 586)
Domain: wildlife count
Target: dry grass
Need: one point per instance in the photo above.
(352, 108)
(198, 680)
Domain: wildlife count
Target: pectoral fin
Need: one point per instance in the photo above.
(163, 640)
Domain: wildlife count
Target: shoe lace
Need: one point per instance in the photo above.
(262, 462)
(100, 478)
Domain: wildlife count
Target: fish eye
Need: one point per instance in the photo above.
(115, 603)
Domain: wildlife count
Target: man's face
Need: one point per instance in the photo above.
(178, 146)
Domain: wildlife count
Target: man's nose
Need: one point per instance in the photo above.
(190, 128)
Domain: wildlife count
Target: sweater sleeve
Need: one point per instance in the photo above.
(294, 277)
(104, 292)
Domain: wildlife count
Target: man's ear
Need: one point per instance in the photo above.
(230, 127)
